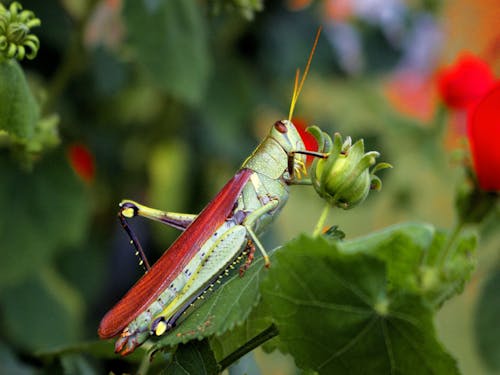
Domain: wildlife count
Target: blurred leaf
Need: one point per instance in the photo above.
(486, 322)
(110, 74)
(43, 211)
(332, 309)
(45, 135)
(247, 8)
(232, 98)
(99, 348)
(76, 364)
(42, 311)
(193, 358)
(9, 364)
(86, 267)
(19, 110)
(227, 307)
(168, 181)
(170, 42)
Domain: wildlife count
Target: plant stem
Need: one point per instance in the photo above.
(144, 366)
(72, 62)
(321, 221)
(258, 340)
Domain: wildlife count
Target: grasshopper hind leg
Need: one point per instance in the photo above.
(181, 221)
(130, 209)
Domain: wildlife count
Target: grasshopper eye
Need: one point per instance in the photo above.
(280, 126)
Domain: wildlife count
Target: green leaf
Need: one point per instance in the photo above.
(170, 43)
(19, 110)
(43, 211)
(227, 307)
(414, 253)
(258, 321)
(193, 358)
(337, 314)
(486, 322)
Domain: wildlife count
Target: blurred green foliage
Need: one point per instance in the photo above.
(169, 97)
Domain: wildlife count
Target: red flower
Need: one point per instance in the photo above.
(82, 161)
(307, 138)
(465, 82)
(484, 137)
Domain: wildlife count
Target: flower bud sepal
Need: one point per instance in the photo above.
(344, 178)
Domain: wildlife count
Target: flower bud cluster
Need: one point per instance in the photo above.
(15, 38)
(344, 178)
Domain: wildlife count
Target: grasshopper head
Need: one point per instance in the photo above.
(286, 135)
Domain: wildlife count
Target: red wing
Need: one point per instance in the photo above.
(173, 261)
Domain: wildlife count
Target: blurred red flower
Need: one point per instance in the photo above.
(483, 130)
(82, 161)
(462, 84)
(307, 138)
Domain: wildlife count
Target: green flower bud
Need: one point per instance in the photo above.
(15, 38)
(344, 178)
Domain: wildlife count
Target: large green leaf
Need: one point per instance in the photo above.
(43, 211)
(193, 358)
(257, 322)
(336, 313)
(170, 41)
(415, 258)
(19, 110)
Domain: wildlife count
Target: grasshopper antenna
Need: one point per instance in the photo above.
(297, 88)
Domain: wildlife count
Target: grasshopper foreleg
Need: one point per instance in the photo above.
(249, 222)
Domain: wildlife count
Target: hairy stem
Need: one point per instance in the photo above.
(258, 340)
(144, 365)
(321, 221)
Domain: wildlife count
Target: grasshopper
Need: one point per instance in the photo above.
(226, 229)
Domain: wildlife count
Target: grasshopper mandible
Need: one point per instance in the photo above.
(211, 241)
